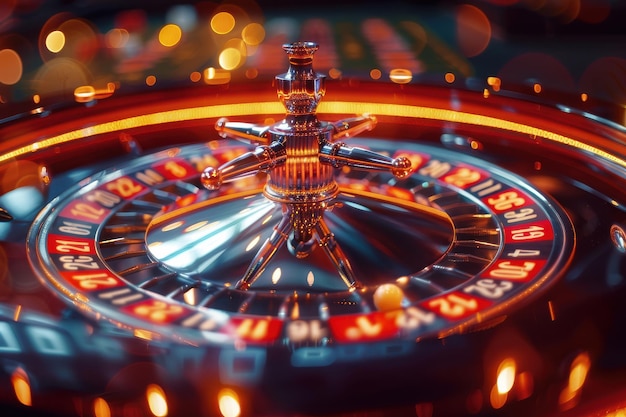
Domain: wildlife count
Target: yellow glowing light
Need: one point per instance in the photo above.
(143, 334)
(17, 312)
(506, 375)
(173, 226)
(584, 97)
(253, 34)
(55, 41)
(11, 68)
(21, 386)
(400, 76)
(237, 44)
(157, 402)
(328, 107)
(196, 226)
(87, 93)
(620, 412)
(310, 278)
(228, 402)
(494, 82)
(375, 74)
(550, 305)
(295, 313)
(190, 297)
(578, 371)
(222, 23)
(101, 408)
(496, 398)
(334, 73)
(170, 35)
(84, 93)
(276, 275)
(578, 374)
(230, 58)
(36, 98)
(253, 243)
(214, 76)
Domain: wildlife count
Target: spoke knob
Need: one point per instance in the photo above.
(211, 178)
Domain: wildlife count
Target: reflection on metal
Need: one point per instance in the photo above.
(618, 237)
(300, 155)
(240, 221)
(5, 216)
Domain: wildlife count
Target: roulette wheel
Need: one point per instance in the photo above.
(294, 245)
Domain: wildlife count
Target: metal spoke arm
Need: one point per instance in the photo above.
(246, 132)
(347, 128)
(340, 155)
(262, 159)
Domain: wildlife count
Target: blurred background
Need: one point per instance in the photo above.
(86, 50)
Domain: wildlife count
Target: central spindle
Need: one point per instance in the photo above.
(300, 155)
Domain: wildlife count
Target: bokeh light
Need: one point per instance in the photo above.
(21, 386)
(101, 408)
(215, 76)
(506, 375)
(253, 34)
(594, 11)
(55, 41)
(400, 75)
(222, 23)
(578, 372)
(230, 58)
(116, 38)
(11, 69)
(228, 402)
(81, 39)
(157, 401)
(473, 30)
(170, 35)
(84, 93)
